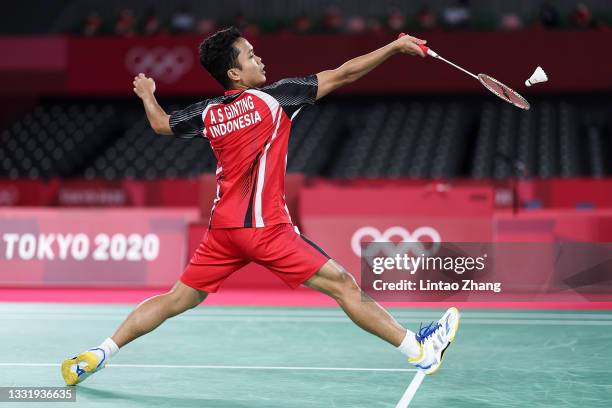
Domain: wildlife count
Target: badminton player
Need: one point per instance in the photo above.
(248, 129)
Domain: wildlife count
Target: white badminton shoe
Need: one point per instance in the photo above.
(75, 370)
(434, 339)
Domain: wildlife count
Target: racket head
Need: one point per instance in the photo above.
(503, 91)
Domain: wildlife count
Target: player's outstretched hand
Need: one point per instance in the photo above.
(143, 86)
(408, 44)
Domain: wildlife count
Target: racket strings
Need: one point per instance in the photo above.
(503, 91)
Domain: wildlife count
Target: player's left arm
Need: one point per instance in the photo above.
(354, 69)
(158, 118)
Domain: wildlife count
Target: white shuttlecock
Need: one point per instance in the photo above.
(538, 76)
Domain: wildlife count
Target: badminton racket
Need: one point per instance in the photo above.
(501, 90)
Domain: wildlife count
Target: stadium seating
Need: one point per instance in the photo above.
(55, 140)
(137, 152)
(67, 15)
(417, 137)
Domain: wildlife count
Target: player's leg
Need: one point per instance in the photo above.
(333, 280)
(297, 260)
(214, 261)
(425, 349)
(155, 310)
(147, 316)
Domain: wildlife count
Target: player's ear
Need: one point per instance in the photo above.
(233, 74)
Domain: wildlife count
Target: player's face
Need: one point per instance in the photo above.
(252, 72)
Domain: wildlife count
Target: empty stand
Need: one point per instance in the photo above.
(417, 137)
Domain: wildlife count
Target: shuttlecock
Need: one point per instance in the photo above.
(538, 76)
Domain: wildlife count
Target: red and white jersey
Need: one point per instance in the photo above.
(248, 131)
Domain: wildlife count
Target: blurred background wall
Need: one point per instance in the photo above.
(415, 143)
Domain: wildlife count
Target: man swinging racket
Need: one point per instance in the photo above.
(248, 129)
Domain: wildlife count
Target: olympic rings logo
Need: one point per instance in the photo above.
(408, 242)
(167, 65)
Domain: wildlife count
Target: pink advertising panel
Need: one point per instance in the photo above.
(93, 247)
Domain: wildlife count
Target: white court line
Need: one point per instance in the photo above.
(297, 319)
(322, 313)
(224, 367)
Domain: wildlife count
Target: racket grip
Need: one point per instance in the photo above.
(426, 50)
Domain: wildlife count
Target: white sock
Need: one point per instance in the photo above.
(109, 347)
(410, 347)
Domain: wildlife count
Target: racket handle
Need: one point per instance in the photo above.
(426, 50)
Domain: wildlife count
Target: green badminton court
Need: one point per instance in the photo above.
(236, 357)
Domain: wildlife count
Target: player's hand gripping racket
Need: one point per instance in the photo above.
(503, 91)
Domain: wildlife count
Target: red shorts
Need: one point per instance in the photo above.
(281, 249)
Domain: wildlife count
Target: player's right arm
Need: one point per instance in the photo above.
(158, 119)
(354, 69)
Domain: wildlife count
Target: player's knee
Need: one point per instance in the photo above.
(179, 305)
(182, 298)
(345, 285)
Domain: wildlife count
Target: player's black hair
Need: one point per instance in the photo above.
(218, 54)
